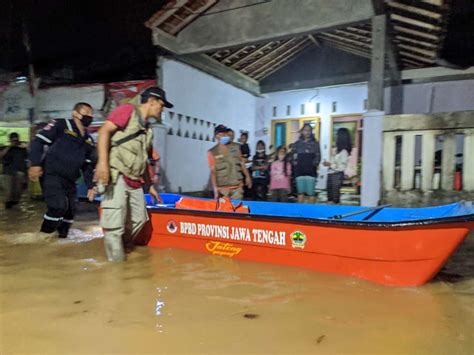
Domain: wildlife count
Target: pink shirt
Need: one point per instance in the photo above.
(278, 179)
(121, 115)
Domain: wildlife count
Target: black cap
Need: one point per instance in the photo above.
(157, 92)
(220, 129)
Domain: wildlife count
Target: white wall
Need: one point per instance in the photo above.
(417, 98)
(350, 100)
(15, 103)
(199, 96)
(58, 102)
(49, 103)
(445, 96)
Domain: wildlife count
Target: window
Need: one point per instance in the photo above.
(274, 111)
(318, 107)
(459, 158)
(302, 109)
(438, 162)
(418, 157)
(366, 104)
(280, 134)
(398, 162)
(288, 110)
(334, 106)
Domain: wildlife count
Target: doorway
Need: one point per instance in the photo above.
(287, 131)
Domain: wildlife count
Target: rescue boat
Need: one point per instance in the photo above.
(383, 244)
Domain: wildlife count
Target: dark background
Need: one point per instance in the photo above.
(79, 41)
(103, 40)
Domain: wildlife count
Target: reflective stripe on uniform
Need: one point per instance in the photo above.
(52, 218)
(69, 127)
(70, 221)
(47, 140)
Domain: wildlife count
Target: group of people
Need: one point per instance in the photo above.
(233, 173)
(119, 167)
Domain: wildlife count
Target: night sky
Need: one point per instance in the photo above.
(82, 41)
(98, 40)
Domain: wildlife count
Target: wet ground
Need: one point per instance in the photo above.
(62, 297)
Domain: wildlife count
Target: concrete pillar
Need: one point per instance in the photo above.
(159, 70)
(408, 161)
(427, 160)
(388, 160)
(160, 130)
(160, 133)
(372, 158)
(468, 154)
(377, 63)
(373, 119)
(448, 162)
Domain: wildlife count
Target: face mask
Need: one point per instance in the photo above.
(224, 140)
(86, 120)
(281, 157)
(260, 150)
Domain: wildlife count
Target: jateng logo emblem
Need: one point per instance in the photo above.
(224, 249)
(298, 239)
(172, 226)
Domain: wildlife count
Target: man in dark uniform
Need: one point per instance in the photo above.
(71, 149)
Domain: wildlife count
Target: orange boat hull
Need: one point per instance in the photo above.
(398, 256)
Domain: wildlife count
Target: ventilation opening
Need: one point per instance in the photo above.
(459, 158)
(418, 162)
(398, 163)
(438, 162)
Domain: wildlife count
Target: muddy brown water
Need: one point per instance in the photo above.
(63, 297)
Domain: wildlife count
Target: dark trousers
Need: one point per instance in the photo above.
(60, 197)
(14, 187)
(260, 189)
(334, 186)
(279, 195)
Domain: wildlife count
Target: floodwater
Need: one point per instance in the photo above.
(63, 297)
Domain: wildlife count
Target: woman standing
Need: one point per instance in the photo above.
(280, 174)
(337, 165)
(307, 155)
(260, 173)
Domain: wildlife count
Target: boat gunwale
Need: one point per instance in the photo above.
(318, 221)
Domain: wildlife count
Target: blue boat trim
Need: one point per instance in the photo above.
(316, 221)
(455, 213)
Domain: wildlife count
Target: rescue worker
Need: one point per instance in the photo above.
(227, 166)
(71, 149)
(231, 134)
(124, 147)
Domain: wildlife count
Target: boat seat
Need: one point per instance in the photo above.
(223, 204)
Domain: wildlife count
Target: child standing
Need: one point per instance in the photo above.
(337, 165)
(280, 174)
(260, 172)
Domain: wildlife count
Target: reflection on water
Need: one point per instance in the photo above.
(61, 296)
